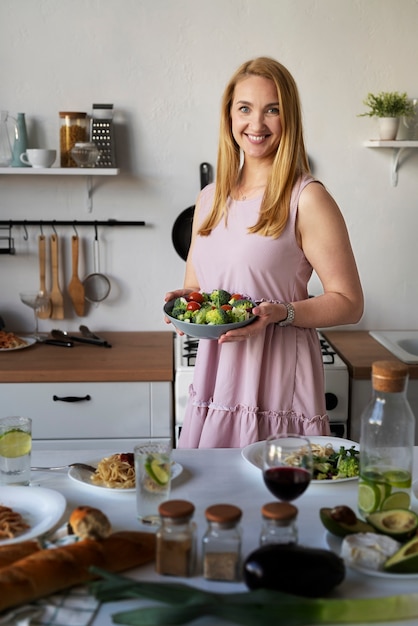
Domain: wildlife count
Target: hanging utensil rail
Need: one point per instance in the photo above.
(73, 223)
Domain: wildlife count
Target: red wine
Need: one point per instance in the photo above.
(286, 483)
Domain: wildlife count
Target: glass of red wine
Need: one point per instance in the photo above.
(287, 466)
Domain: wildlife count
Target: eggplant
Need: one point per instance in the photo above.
(301, 571)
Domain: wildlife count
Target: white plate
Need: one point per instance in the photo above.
(29, 342)
(203, 331)
(334, 544)
(40, 508)
(254, 453)
(80, 475)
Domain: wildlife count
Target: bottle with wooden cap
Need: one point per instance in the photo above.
(222, 543)
(278, 523)
(386, 442)
(176, 539)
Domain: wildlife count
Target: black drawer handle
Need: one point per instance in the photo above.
(71, 398)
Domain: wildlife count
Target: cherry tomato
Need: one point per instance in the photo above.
(236, 296)
(193, 306)
(195, 296)
(226, 307)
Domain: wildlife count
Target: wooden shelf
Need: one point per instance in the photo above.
(60, 171)
(397, 146)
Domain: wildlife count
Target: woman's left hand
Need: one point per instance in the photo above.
(266, 312)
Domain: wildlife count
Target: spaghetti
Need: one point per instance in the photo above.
(9, 341)
(11, 523)
(116, 471)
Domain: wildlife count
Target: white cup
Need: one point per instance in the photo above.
(152, 477)
(39, 157)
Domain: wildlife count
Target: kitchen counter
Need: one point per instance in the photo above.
(358, 350)
(134, 356)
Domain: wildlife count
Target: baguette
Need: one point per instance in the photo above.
(49, 571)
(9, 553)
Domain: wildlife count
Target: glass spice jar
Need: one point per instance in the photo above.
(278, 523)
(73, 129)
(176, 539)
(222, 543)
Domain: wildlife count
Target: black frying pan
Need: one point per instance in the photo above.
(182, 229)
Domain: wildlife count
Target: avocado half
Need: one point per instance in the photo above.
(341, 525)
(405, 560)
(400, 524)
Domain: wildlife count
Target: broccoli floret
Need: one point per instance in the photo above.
(177, 312)
(219, 297)
(199, 316)
(241, 310)
(248, 305)
(180, 303)
(348, 463)
(216, 316)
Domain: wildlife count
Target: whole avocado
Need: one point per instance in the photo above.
(302, 571)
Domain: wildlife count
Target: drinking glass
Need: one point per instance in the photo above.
(15, 450)
(152, 477)
(36, 300)
(287, 466)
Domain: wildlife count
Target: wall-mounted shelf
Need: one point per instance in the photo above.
(397, 147)
(87, 172)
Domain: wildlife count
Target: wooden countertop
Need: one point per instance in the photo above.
(358, 350)
(134, 356)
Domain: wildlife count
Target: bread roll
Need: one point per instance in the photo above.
(9, 553)
(49, 571)
(89, 523)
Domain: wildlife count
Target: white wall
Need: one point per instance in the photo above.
(164, 64)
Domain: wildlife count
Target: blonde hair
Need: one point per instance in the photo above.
(289, 163)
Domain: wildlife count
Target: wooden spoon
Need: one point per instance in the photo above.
(45, 311)
(56, 296)
(76, 287)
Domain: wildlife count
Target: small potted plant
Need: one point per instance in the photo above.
(388, 107)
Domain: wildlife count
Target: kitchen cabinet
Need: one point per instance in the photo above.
(397, 147)
(359, 350)
(91, 394)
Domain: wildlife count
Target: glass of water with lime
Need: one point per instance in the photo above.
(152, 477)
(15, 450)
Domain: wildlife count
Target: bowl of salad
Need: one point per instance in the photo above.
(210, 315)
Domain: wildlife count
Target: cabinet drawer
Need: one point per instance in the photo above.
(91, 410)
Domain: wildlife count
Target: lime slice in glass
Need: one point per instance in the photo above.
(157, 470)
(15, 443)
(398, 478)
(368, 497)
(398, 500)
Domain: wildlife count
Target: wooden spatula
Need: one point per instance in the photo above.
(45, 311)
(56, 296)
(76, 287)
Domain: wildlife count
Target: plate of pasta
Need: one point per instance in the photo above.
(11, 341)
(322, 448)
(28, 512)
(114, 473)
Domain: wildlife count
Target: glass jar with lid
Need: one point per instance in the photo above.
(73, 129)
(176, 539)
(222, 543)
(278, 523)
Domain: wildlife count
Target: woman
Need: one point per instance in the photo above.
(261, 230)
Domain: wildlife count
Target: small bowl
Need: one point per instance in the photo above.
(85, 154)
(203, 331)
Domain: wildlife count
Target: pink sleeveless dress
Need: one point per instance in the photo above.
(273, 382)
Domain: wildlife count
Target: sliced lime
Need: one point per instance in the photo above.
(368, 497)
(398, 500)
(158, 470)
(398, 478)
(15, 443)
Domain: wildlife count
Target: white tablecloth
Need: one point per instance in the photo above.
(211, 477)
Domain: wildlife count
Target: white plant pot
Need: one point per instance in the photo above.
(388, 128)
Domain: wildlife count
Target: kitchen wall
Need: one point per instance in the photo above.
(164, 64)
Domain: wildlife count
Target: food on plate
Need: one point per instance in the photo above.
(116, 471)
(405, 560)
(9, 341)
(87, 522)
(369, 550)
(49, 571)
(11, 523)
(401, 524)
(9, 553)
(342, 521)
(302, 571)
(335, 465)
(214, 308)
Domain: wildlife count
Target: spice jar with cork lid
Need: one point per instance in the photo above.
(386, 442)
(176, 539)
(222, 543)
(73, 129)
(278, 523)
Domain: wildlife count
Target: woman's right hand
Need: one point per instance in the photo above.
(171, 295)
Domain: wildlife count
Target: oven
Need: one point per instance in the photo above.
(336, 383)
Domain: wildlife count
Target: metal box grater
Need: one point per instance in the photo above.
(102, 134)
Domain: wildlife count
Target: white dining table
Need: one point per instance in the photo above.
(213, 476)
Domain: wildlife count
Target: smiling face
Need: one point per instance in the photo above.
(255, 117)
